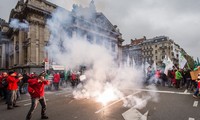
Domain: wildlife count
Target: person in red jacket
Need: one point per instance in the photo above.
(36, 91)
(3, 85)
(56, 80)
(12, 89)
(73, 79)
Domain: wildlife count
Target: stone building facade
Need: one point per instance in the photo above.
(157, 48)
(26, 47)
(4, 42)
(154, 49)
(133, 51)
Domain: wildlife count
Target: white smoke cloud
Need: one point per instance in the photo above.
(15, 23)
(106, 81)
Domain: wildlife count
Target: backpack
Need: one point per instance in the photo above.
(4, 83)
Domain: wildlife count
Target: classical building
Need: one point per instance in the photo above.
(133, 51)
(154, 49)
(157, 48)
(26, 47)
(4, 42)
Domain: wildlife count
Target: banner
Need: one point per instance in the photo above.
(58, 67)
(194, 74)
(168, 65)
(174, 50)
(46, 66)
(154, 66)
(182, 60)
(165, 60)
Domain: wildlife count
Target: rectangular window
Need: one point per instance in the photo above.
(107, 44)
(99, 40)
(90, 38)
(113, 47)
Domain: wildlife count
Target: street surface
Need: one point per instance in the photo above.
(172, 104)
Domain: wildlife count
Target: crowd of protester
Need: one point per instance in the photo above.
(174, 78)
(13, 84)
(57, 79)
(62, 79)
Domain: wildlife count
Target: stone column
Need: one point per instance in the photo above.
(37, 44)
(28, 54)
(14, 51)
(45, 41)
(4, 55)
(21, 51)
(42, 44)
(37, 51)
(29, 40)
(46, 34)
(32, 49)
(29, 32)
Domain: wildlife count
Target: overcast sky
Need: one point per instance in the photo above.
(177, 19)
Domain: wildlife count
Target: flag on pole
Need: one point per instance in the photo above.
(188, 66)
(165, 60)
(182, 60)
(154, 66)
(198, 63)
(168, 65)
(146, 66)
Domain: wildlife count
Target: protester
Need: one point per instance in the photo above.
(188, 79)
(49, 76)
(67, 77)
(24, 88)
(169, 76)
(195, 95)
(19, 85)
(62, 78)
(183, 80)
(12, 89)
(73, 79)
(164, 78)
(36, 91)
(157, 77)
(173, 77)
(149, 74)
(56, 80)
(3, 85)
(178, 77)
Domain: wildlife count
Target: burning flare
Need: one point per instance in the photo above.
(109, 94)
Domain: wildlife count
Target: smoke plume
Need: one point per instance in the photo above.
(15, 23)
(104, 77)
